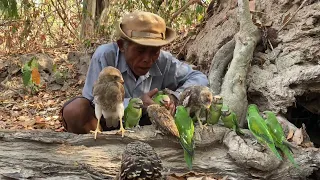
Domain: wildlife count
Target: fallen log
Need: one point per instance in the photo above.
(219, 152)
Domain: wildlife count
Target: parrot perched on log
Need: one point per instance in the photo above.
(229, 119)
(167, 99)
(186, 131)
(278, 136)
(108, 93)
(194, 98)
(140, 161)
(133, 112)
(214, 111)
(259, 129)
(161, 118)
(162, 99)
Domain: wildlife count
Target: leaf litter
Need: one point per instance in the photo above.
(20, 109)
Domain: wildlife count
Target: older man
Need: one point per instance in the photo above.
(144, 66)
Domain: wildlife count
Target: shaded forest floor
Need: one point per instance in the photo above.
(20, 109)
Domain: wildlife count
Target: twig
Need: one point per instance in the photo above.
(65, 15)
(302, 4)
(184, 44)
(190, 2)
(64, 21)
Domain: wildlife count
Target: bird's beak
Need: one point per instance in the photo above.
(141, 105)
(208, 106)
(121, 81)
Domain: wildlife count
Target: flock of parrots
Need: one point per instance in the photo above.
(267, 131)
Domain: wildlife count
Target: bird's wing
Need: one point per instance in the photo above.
(259, 129)
(160, 116)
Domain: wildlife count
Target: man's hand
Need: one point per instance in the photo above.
(147, 98)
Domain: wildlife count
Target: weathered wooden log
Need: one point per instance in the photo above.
(219, 152)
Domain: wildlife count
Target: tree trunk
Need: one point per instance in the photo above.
(92, 11)
(219, 152)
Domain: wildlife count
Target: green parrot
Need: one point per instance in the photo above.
(214, 112)
(259, 129)
(161, 98)
(133, 112)
(229, 119)
(185, 127)
(278, 136)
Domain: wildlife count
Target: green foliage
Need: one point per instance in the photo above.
(31, 76)
(8, 9)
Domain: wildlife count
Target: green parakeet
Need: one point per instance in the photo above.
(214, 112)
(133, 112)
(229, 119)
(278, 136)
(185, 127)
(162, 99)
(259, 129)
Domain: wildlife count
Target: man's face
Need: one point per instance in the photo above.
(139, 58)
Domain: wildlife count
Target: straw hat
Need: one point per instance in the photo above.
(145, 28)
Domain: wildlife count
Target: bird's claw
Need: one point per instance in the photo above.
(122, 131)
(95, 132)
(157, 132)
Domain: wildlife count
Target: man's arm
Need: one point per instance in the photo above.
(180, 76)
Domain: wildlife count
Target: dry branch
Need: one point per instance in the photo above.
(183, 8)
(219, 63)
(219, 151)
(233, 88)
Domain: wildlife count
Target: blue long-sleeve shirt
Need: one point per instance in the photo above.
(166, 72)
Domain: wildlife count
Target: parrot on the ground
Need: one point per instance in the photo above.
(259, 129)
(140, 161)
(108, 93)
(214, 111)
(278, 136)
(194, 98)
(133, 113)
(161, 118)
(230, 120)
(185, 127)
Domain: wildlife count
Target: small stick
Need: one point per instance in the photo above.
(302, 4)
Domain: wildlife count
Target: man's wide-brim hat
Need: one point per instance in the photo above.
(145, 28)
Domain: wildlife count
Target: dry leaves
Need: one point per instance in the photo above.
(21, 110)
(301, 137)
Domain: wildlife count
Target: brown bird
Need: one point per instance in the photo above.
(140, 161)
(108, 93)
(194, 98)
(162, 120)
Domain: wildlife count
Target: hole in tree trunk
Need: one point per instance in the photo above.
(307, 111)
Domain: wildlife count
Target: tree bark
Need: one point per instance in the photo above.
(233, 89)
(219, 152)
(90, 17)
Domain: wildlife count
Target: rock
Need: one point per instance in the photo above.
(44, 60)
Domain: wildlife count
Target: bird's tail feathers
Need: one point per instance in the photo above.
(274, 150)
(187, 147)
(288, 154)
(188, 159)
(115, 122)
